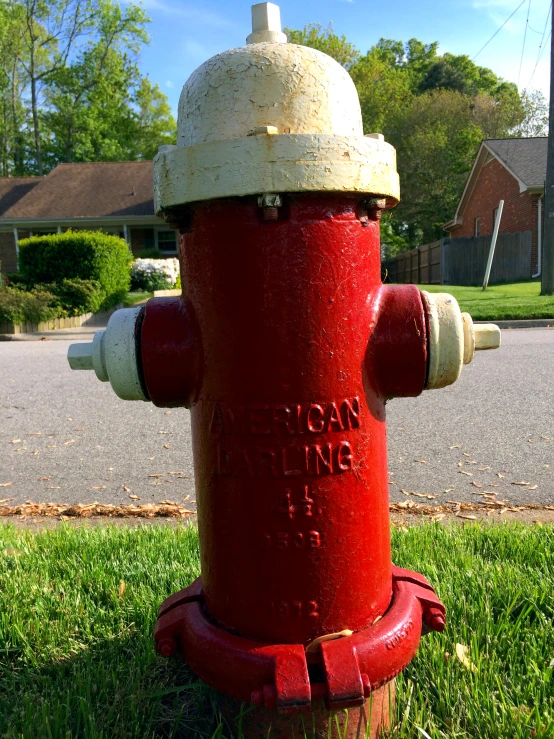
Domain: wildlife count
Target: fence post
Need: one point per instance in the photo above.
(493, 244)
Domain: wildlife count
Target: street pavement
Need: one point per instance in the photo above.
(66, 438)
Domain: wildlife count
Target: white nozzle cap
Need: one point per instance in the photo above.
(487, 336)
(266, 25)
(112, 354)
(79, 356)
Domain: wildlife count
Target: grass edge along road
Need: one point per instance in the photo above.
(78, 609)
(515, 301)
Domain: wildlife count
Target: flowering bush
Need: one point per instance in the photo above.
(154, 274)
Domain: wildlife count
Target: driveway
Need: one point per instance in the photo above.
(65, 437)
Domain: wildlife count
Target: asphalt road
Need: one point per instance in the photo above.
(65, 437)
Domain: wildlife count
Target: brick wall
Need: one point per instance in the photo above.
(7, 253)
(495, 183)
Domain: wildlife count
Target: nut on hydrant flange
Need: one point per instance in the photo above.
(286, 347)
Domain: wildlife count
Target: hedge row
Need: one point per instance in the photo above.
(45, 302)
(78, 255)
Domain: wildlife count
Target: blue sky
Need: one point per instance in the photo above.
(187, 32)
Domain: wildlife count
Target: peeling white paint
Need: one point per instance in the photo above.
(446, 339)
(294, 88)
(453, 338)
(271, 117)
(275, 163)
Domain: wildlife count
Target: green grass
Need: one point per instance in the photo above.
(77, 659)
(135, 297)
(519, 300)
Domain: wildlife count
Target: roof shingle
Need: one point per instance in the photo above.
(12, 189)
(526, 158)
(88, 190)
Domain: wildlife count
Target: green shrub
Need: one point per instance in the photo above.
(15, 279)
(83, 255)
(77, 296)
(19, 306)
(150, 253)
(178, 285)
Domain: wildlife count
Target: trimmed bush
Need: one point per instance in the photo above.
(150, 253)
(77, 296)
(19, 306)
(154, 274)
(83, 255)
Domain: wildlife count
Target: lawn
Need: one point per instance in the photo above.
(136, 297)
(78, 607)
(518, 300)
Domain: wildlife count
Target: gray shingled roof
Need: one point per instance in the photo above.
(13, 189)
(88, 190)
(526, 158)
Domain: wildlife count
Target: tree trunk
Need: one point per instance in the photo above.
(69, 144)
(17, 151)
(36, 131)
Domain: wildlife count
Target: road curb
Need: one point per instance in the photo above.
(529, 323)
(76, 334)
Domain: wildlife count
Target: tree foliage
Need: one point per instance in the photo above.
(70, 85)
(435, 110)
(326, 40)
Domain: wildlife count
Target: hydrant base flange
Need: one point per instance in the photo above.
(286, 677)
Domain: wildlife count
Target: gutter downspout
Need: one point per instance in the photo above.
(539, 239)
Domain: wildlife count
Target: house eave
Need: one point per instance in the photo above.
(535, 189)
(8, 224)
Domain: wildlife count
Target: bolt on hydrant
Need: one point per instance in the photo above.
(286, 347)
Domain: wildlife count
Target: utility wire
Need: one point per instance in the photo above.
(541, 47)
(523, 47)
(498, 30)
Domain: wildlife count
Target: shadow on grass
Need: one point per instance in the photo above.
(119, 688)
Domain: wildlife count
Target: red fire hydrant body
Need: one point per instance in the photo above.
(301, 346)
(286, 346)
(289, 419)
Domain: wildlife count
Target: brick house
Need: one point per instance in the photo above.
(513, 170)
(115, 197)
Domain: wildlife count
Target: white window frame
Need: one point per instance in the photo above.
(158, 231)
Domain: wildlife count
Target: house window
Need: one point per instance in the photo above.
(477, 226)
(166, 241)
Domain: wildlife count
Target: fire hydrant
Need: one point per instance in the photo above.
(286, 347)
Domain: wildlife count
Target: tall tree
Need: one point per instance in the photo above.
(70, 87)
(52, 29)
(98, 83)
(435, 109)
(535, 122)
(12, 112)
(326, 40)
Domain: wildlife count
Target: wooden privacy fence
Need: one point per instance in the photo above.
(422, 265)
(463, 261)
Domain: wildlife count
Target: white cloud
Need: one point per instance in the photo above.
(169, 83)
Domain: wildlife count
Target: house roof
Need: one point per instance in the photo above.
(526, 158)
(13, 189)
(88, 190)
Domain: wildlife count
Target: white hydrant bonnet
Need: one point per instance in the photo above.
(271, 117)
